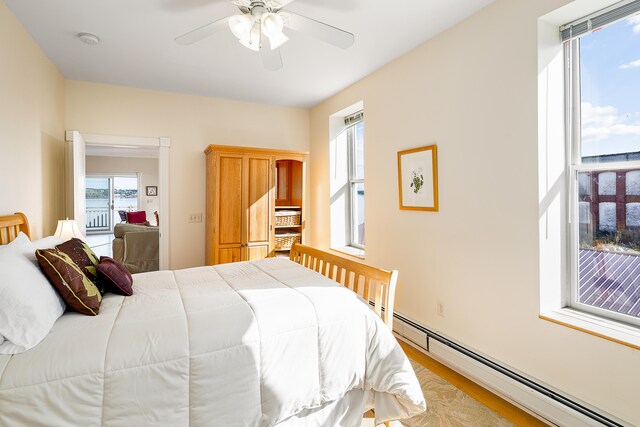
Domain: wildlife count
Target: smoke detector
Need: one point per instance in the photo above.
(89, 39)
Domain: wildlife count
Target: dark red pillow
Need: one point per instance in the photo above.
(115, 276)
(138, 217)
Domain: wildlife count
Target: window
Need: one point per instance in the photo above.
(355, 135)
(602, 54)
(347, 185)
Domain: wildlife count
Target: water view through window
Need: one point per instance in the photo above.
(106, 196)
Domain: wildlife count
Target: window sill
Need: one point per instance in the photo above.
(593, 325)
(351, 251)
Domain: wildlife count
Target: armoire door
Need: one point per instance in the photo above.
(230, 180)
(260, 199)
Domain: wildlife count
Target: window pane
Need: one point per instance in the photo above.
(357, 213)
(97, 203)
(359, 150)
(609, 245)
(610, 93)
(125, 193)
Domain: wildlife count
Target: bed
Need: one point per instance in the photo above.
(274, 342)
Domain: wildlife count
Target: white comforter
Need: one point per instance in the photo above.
(245, 344)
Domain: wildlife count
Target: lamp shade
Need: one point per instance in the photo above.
(67, 229)
(272, 27)
(240, 25)
(272, 24)
(278, 40)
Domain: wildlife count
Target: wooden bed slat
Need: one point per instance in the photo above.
(11, 226)
(378, 285)
(356, 282)
(366, 286)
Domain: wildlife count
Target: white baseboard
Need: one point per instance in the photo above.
(520, 395)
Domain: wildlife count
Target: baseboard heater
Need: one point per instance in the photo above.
(555, 396)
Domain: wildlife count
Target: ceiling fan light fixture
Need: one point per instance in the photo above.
(241, 26)
(251, 39)
(272, 26)
(278, 40)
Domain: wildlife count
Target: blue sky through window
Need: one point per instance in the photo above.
(610, 88)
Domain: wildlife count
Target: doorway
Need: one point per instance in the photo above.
(107, 197)
(158, 199)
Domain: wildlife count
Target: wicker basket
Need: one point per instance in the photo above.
(288, 218)
(286, 240)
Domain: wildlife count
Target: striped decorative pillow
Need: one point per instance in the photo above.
(82, 256)
(75, 288)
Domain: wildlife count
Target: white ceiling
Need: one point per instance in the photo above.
(138, 47)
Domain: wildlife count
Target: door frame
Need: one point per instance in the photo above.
(163, 144)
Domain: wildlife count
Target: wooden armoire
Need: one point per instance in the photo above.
(242, 186)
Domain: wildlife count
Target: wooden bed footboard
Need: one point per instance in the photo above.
(373, 284)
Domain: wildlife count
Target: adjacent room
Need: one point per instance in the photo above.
(320, 213)
(121, 205)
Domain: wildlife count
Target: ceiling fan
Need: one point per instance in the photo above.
(260, 28)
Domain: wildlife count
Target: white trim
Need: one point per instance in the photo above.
(609, 166)
(599, 325)
(164, 144)
(125, 141)
(140, 188)
(512, 391)
(164, 183)
(575, 165)
(350, 250)
(537, 404)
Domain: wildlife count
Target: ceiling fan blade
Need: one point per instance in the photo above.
(279, 4)
(203, 32)
(317, 29)
(271, 58)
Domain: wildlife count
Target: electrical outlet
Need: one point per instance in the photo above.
(440, 308)
(195, 217)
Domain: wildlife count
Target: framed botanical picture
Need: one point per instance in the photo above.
(152, 190)
(418, 179)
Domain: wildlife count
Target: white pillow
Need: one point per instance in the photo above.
(29, 306)
(21, 242)
(44, 243)
(47, 242)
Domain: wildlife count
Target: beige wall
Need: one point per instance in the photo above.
(147, 168)
(192, 123)
(473, 91)
(31, 129)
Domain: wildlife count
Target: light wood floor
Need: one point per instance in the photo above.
(497, 404)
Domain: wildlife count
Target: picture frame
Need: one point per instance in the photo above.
(152, 190)
(418, 179)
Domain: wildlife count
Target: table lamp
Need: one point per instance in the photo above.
(67, 229)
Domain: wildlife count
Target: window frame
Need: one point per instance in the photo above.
(353, 182)
(573, 139)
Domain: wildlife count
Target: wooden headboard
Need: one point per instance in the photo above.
(378, 286)
(11, 225)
